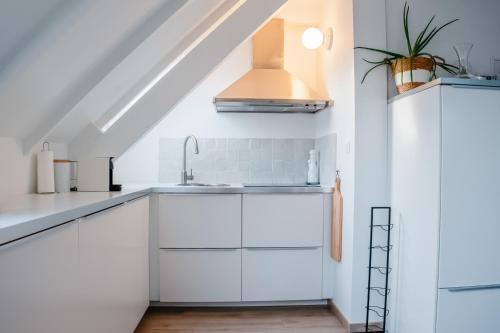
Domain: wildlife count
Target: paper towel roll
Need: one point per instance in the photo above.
(45, 171)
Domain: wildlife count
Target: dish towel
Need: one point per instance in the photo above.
(337, 214)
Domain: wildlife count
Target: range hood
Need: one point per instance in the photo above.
(267, 87)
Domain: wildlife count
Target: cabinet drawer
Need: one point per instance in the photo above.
(200, 275)
(282, 220)
(468, 311)
(281, 274)
(200, 221)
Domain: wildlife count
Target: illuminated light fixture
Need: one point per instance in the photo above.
(313, 38)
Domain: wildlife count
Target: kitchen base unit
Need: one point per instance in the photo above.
(240, 249)
(87, 275)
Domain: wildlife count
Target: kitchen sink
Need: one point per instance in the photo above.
(204, 184)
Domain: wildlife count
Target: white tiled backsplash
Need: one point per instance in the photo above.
(251, 160)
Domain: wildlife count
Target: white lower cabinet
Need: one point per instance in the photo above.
(273, 274)
(113, 273)
(465, 311)
(234, 248)
(206, 275)
(88, 275)
(38, 276)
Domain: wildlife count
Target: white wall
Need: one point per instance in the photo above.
(359, 118)
(196, 114)
(479, 23)
(338, 71)
(18, 170)
(371, 187)
(16, 174)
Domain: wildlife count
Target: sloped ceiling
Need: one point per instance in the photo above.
(56, 55)
(241, 21)
(67, 65)
(19, 22)
(136, 69)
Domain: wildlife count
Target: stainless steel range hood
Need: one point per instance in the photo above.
(267, 87)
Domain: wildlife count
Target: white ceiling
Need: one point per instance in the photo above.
(54, 54)
(134, 71)
(73, 45)
(19, 22)
(234, 24)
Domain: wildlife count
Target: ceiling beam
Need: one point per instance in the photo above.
(136, 70)
(177, 83)
(58, 108)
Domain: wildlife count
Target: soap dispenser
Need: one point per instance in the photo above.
(313, 172)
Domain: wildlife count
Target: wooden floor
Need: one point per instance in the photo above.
(259, 320)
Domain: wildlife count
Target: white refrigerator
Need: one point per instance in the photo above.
(445, 194)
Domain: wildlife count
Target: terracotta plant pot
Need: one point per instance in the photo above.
(410, 73)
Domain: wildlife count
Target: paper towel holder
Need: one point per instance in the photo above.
(45, 169)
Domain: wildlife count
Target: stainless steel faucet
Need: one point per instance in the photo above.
(184, 175)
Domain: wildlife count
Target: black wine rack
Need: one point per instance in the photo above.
(380, 312)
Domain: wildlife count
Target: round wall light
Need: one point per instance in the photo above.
(312, 38)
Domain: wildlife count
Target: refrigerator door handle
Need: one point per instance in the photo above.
(472, 288)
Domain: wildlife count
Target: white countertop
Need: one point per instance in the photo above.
(24, 215)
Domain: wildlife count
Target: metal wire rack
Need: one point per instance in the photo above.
(380, 312)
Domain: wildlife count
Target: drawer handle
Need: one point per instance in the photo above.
(200, 249)
(281, 248)
(471, 288)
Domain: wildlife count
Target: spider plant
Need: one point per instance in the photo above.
(415, 49)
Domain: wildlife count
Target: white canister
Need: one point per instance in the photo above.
(62, 175)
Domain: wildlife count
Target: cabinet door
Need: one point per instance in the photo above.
(38, 282)
(200, 221)
(465, 311)
(200, 275)
(470, 228)
(281, 274)
(415, 131)
(114, 282)
(282, 220)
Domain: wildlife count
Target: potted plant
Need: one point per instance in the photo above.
(418, 67)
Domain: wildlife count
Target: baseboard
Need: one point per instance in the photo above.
(357, 328)
(349, 327)
(239, 304)
(340, 316)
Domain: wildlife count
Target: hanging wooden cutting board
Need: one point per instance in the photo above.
(337, 214)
